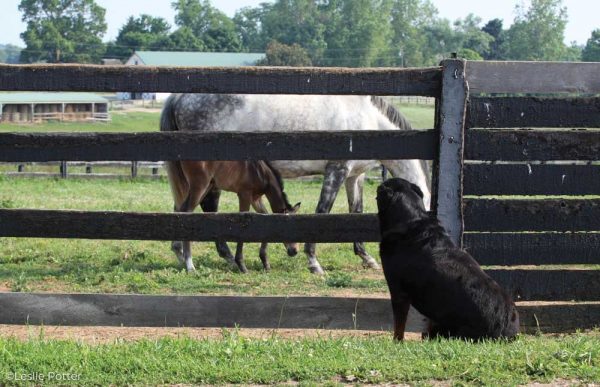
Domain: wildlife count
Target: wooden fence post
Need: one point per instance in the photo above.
(134, 169)
(64, 172)
(448, 171)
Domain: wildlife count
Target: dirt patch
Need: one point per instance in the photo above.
(99, 335)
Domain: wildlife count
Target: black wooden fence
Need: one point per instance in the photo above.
(498, 231)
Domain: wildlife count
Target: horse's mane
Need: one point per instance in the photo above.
(390, 112)
(278, 178)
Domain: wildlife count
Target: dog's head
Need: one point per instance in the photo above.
(399, 202)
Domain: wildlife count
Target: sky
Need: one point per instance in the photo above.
(583, 14)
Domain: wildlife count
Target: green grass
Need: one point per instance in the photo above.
(234, 359)
(122, 121)
(30, 264)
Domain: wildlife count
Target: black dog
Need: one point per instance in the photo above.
(424, 268)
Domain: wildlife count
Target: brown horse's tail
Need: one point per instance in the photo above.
(177, 180)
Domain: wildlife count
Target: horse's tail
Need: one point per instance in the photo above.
(177, 179)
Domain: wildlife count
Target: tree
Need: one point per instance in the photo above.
(10, 53)
(62, 31)
(213, 28)
(279, 54)
(248, 25)
(358, 32)
(142, 33)
(591, 51)
(497, 47)
(409, 17)
(538, 32)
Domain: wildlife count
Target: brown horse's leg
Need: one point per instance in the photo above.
(260, 208)
(244, 200)
(197, 191)
(210, 203)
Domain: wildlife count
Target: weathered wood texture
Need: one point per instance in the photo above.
(308, 145)
(526, 145)
(252, 312)
(248, 227)
(531, 179)
(549, 285)
(533, 77)
(519, 112)
(506, 249)
(532, 215)
(448, 170)
(238, 80)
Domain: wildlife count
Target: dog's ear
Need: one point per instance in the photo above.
(417, 189)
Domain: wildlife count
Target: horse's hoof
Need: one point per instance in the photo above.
(371, 264)
(316, 270)
(243, 269)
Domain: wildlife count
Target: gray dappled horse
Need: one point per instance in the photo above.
(288, 113)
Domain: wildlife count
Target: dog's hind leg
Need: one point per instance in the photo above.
(400, 307)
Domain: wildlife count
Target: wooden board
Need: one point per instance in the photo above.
(532, 215)
(448, 170)
(252, 312)
(526, 145)
(549, 285)
(526, 112)
(531, 179)
(507, 249)
(249, 227)
(233, 80)
(533, 77)
(158, 146)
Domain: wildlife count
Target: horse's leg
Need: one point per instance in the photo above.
(190, 203)
(210, 203)
(260, 208)
(334, 176)
(354, 191)
(245, 201)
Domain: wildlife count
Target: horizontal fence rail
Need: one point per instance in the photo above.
(531, 179)
(533, 77)
(532, 215)
(315, 145)
(253, 312)
(526, 145)
(249, 227)
(523, 112)
(505, 249)
(233, 80)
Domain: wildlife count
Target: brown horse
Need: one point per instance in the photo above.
(192, 181)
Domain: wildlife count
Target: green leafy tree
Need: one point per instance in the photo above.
(358, 32)
(279, 54)
(538, 31)
(213, 28)
(409, 18)
(10, 53)
(62, 31)
(591, 51)
(140, 33)
(497, 47)
(248, 25)
(183, 39)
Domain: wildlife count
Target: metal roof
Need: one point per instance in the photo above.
(19, 97)
(178, 58)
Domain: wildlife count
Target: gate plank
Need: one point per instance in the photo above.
(526, 145)
(507, 249)
(233, 80)
(533, 77)
(524, 112)
(531, 179)
(532, 215)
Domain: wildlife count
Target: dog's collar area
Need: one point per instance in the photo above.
(406, 231)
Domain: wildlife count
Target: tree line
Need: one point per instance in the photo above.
(354, 33)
